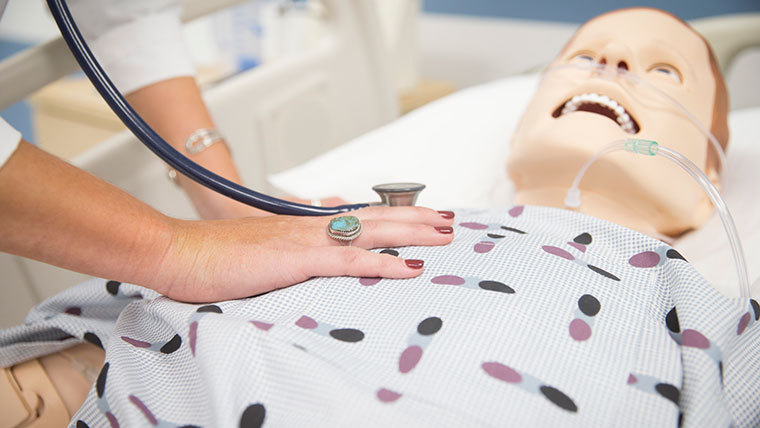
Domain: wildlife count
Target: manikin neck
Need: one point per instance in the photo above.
(594, 205)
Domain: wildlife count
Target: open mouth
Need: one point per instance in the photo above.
(599, 104)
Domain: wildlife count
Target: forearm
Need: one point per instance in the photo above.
(55, 213)
(175, 109)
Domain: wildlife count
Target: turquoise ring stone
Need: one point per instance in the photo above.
(345, 228)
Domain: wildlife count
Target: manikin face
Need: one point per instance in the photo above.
(576, 112)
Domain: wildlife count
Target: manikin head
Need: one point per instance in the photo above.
(648, 194)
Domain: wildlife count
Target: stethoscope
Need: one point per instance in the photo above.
(391, 194)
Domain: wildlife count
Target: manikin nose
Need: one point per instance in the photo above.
(616, 55)
(621, 64)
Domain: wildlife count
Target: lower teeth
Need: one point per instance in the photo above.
(624, 123)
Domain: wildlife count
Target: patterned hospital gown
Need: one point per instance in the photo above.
(531, 317)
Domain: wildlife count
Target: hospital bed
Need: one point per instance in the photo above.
(283, 120)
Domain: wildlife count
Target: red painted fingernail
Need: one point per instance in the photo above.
(445, 229)
(446, 214)
(414, 264)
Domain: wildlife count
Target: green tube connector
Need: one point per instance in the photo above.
(642, 147)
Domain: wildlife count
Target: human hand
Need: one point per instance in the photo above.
(121, 238)
(229, 259)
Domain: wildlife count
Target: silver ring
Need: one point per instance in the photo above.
(345, 228)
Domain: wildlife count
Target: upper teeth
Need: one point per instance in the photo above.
(622, 116)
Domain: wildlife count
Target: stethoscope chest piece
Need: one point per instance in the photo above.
(398, 194)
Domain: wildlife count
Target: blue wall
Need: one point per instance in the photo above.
(19, 114)
(579, 11)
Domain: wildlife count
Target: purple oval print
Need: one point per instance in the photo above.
(448, 280)
(646, 259)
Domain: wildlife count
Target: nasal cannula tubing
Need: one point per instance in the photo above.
(651, 148)
(633, 78)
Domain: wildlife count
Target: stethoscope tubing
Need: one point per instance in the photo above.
(81, 51)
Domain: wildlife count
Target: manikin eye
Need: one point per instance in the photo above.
(666, 70)
(584, 57)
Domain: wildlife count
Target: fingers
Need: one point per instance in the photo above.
(407, 215)
(377, 234)
(401, 226)
(357, 262)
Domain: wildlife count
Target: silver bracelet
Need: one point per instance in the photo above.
(198, 141)
(202, 139)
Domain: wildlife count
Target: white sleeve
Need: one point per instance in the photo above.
(137, 42)
(9, 139)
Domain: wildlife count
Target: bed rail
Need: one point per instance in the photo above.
(729, 35)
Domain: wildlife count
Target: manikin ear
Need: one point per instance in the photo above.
(711, 164)
(714, 176)
(705, 209)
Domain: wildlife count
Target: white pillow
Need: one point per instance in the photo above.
(707, 248)
(458, 147)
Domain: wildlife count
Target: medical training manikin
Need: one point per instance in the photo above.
(576, 112)
(532, 316)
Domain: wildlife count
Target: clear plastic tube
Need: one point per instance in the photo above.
(573, 198)
(609, 73)
(651, 148)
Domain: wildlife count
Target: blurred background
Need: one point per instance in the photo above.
(439, 46)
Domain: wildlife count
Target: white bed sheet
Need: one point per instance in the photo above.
(458, 146)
